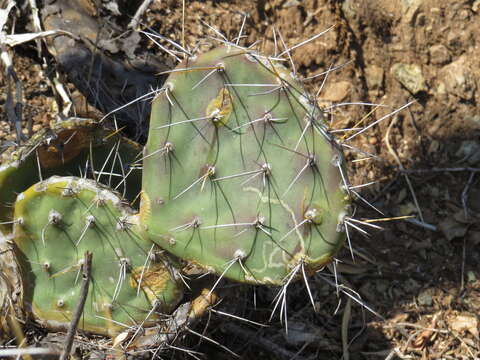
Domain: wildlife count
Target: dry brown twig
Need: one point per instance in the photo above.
(141, 9)
(72, 329)
(159, 337)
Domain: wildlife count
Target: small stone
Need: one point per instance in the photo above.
(469, 152)
(452, 229)
(410, 76)
(476, 6)
(474, 120)
(291, 3)
(336, 91)
(459, 79)
(439, 54)
(374, 75)
(425, 298)
(441, 89)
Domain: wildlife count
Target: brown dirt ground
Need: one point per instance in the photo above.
(425, 283)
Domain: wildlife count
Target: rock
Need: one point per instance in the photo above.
(410, 76)
(476, 6)
(439, 54)
(452, 229)
(469, 152)
(291, 3)
(474, 120)
(336, 91)
(350, 9)
(374, 75)
(465, 323)
(458, 79)
(425, 298)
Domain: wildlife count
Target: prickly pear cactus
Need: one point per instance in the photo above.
(240, 175)
(56, 222)
(79, 147)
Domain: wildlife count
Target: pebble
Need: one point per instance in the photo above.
(469, 152)
(458, 79)
(439, 54)
(425, 298)
(374, 75)
(410, 76)
(336, 91)
(476, 6)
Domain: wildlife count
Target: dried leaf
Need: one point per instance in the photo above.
(120, 338)
(427, 335)
(465, 323)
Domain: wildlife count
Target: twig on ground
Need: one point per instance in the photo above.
(61, 91)
(141, 9)
(422, 224)
(462, 271)
(465, 194)
(27, 352)
(87, 267)
(14, 107)
(159, 337)
(345, 324)
(36, 24)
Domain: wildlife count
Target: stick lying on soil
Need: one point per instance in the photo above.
(87, 268)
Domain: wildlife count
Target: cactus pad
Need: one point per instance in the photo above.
(56, 222)
(240, 175)
(72, 147)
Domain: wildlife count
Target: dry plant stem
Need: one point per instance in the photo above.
(400, 165)
(59, 88)
(462, 272)
(422, 224)
(18, 332)
(345, 324)
(27, 352)
(141, 9)
(87, 267)
(465, 194)
(14, 108)
(37, 25)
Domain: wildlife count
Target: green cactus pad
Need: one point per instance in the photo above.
(56, 222)
(240, 175)
(71, 147)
